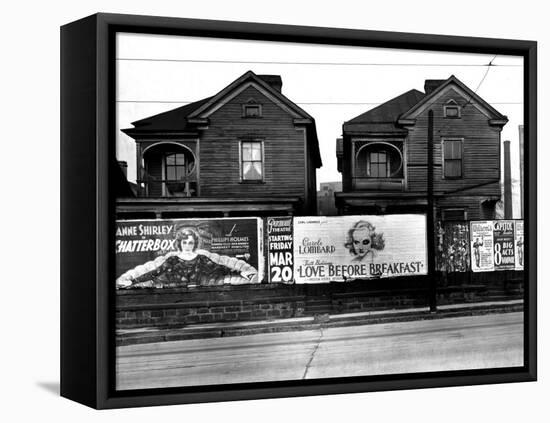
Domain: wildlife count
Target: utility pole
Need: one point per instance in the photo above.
(507, 182)
(432, 296)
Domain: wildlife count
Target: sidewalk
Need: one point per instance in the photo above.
(224, 329)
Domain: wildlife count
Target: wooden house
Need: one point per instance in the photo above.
(383, 154)
(246, 150)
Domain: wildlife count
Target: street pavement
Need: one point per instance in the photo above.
(473, 342)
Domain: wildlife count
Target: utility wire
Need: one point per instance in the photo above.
(365, 103)
(485, 75)
(272, 62)
(489, 65)
(320, 103)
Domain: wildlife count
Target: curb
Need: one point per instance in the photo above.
(217, 330)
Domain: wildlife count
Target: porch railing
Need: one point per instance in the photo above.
(378, 184)
(185, 187)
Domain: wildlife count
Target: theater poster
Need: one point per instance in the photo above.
(481, 242)
(172, 253)
(496, 245)
(279, 249)
(518, 243)
(345, 248)
(504, 250)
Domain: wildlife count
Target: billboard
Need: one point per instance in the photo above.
(496, 245)
(359, 247)
(188, 252)
(310, 249)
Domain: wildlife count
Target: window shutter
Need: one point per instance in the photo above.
(452, 156)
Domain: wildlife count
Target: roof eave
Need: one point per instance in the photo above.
(406, 122)
(498, 122)
(141, 133)
(249, 75)
(474, 98)
(198, 121)
(372, 132)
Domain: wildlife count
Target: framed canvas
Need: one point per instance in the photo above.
(257, 211)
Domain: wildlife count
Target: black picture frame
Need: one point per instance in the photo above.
(87, 208)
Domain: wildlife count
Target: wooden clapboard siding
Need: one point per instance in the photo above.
(284, 155)
(214, 128)
(480, 155)
(478, 188)
(472, 205)
(480, 158)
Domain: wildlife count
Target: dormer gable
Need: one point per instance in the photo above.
(471, 98)
(268, 85)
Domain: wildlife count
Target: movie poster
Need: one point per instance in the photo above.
(518, 243)
(503, 242)
(279, 249)
(358, 247)
(481, 242)
(188, 252)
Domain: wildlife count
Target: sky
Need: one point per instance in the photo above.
(156, 73)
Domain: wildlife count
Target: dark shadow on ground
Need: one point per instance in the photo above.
(51, 387)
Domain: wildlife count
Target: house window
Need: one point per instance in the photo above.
(252, 110)
(378, 165)
(378, 160)
(452, 158)
(453, 214)
(177, 168)
(451, 110)
(168, 170)
(252, 166)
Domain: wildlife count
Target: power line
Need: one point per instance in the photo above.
(489, 65)
(361, 103)
(319, 103)
(273, 62)
(485, 75)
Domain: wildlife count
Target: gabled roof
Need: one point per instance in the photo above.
(391, 115)
(250, 77)
(384, 117)
(178, 120)
(473, 99)
(186, 118)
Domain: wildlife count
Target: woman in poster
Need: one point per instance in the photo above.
(189, 266)
(362, 240)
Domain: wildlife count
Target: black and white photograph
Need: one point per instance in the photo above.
(295, 211)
